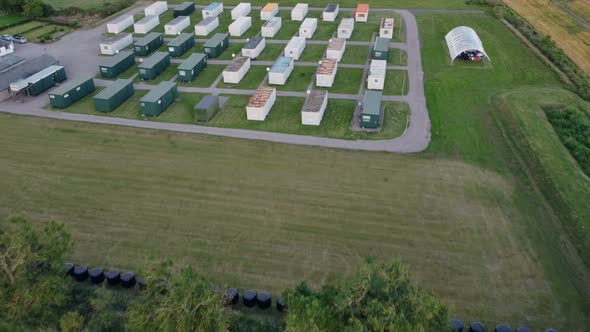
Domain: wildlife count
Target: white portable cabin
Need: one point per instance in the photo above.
(336, 49)
(299, 12)
(239, 26)
(377, 71)
(243, 9)
(326, 72)
(112, 45)
(361, 13)
(236, 70)
(120, 23)
(176, 26)
(254, 47)
(213, 10)
(280, 71)
(146, 24)
(207, 25)
(346, 28)
(269, 11)
(331, 12)
(314, 108)
(386, 29)
(260, 103)
(308, 27)
(271, 27)
(156, 9)
(295, 47)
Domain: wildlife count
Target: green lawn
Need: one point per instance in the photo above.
(10, 19)
(206, 77)
(396, 83)
(396, 57)
(166, 75)
(271, 52)
(356, 55)
(299, 79)
(84, 4)
(252, 80)
(232, 49)
(347, 80)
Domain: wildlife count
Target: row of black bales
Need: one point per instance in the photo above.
(251, 298)
(97, 276)
(458, 326)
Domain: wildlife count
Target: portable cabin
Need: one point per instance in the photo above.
(184, 9)
(326, 72)
(269, 11)
(376, 78)
(176, 26)
(113, 95)
(113, 66)
(299, 12)
(216, 45)
(213, 10)
(190, 68)
(380, 49)
(243, 9)
(206, 108)
(179, 45)
(314, 108)
(146, 24)
(239, 26)
(260, 103)
(207, 25)
(236, 70)
(331, 12)
(156, 9)
(295, 47)
(158, 99)
(308, 27)
(361, 13)
(345, 28)
(271, 27)
(254, 47)
(113, 44)
(40, 81)
(386, 28)
(149, 43)
(370, 115)
(153, 66)
(336, 49)
(72, 91)
(120, 23)
(280, 71)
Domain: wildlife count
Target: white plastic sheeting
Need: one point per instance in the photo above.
(462, 39)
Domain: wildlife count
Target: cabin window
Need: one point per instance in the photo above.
(170, 49)
(366, 118)
(66, 95)
(182, 73)
(377, 53)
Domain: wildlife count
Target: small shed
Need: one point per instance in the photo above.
(179, 45)
(213, 10)
(295, 47)
(336, 49)
(206, 108)
(158, 99)
(72, 91)
(370, 116)
(331, 12)
(157, 8)
(184, 9)
(299, 12)
(153, 66)
(176, 26)
(269, 11)
(113, 66)
(381, 49)
(190, 68)
(254, 47)
(271, 27)
(376, 78)
(120, 23)
(239, 26)
(308, 27)
(242, 9)
(280, 71)
(146, 24)
(326, 72)
(260, 103)
(40, 81)
(113, 44)
(386, 28)
(113, 95)
(314, 108)
(149, 43)
(216, 45)
(361, 13)
(236, 70)
(207, 25)
(345, 28)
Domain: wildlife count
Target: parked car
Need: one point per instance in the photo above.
(20, 39)
(7, 37)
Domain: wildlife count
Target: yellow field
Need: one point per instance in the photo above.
(581, 8)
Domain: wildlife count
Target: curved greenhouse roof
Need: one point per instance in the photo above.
(462, 39)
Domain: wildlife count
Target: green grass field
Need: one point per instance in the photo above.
(10, 19)
(299, 79)
(206, 77)
(347, 80)
(84, 4)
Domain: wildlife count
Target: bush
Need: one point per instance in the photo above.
(573, 128)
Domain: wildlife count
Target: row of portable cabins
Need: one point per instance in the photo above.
(271, 27)
(240, 25)
(72, 91)
(299, 12)
(243, 9)
(151, 104)
(236, 70)
(308, 27)
(254, 47)
(40, 81)
(176, 26)
(111, 45)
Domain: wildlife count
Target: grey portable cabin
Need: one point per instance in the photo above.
(158, 99)
(192, 67)
(179, 45)
(381, 49)
(115, 65)
(71, 92)
(153, 66)
(206, 108)
(149, 43)
(216, 45)
(45, 79)
(114, 95)
(184, 9)
(370, 116)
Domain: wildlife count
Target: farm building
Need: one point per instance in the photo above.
(113, 44)
(271, 27)
(361, 13)
(153, 66)
(331, 12)
(370, 115)
(345, 28)
(254, 47)
(243, 9)
(299, 12)
(113, 95)
(236, 70)
(336, 49)
(207, 25)
(149, 43)
(115, 65)
(156, 9)
(386, 28)
(377, 71)
(6, 47)
(71, 92)
(464, 42)
(308, 27)
(239, 26)
(380, 49)
(40, 81)
(269, 11)
(260, 103)
(176, 26)
(146, 24)
(213, 10)
(326, 72)
(158, 99)
(206, 108)
(179, 45)
(120, 23)
(295, 47)
(190, 68)
(216, 45)
(314, 108)
(280, 71)
(184, 9)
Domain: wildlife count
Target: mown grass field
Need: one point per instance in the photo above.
(10, 19)
(440, 4)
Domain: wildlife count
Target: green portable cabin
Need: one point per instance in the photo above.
(45, 79)
(370, 116)
(206, 108)
(115, 65)
(179, 45)
(381, 48)
(149, 43)
(216, 45)
(184, 9)
(158, 99)
(114, 95)
(153, 66)
(192, 67)
(71, 92)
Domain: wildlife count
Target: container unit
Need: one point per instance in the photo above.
(216, 45)
(331, 12)
(299, 12)
(308, 27)
(115, 65)
(370, 115)
(149, 43)
(190, 68)
(280, 71)
(153, 66)
(336, 49)
(243, 9)
(184, 9)
(269, 11)
(207, 25)
(295, 47)
(386, 28)
(239, 26)
(120, 23)
(376, 78)
(326, 72)
(40, 81)
(146, 24)
(71, 92)
(236, 70)
(158, 99)
(213, 10)
(345, 28)
(361, 13)
(176, 26)
(271, 27)
(156, 9)
(179, 45)
(206, 108)
(260, 103)
(254, 47)
(380, 49)
(113, 95)
(113, 44)
(314, 108)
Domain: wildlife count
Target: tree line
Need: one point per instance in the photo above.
(40, 8)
